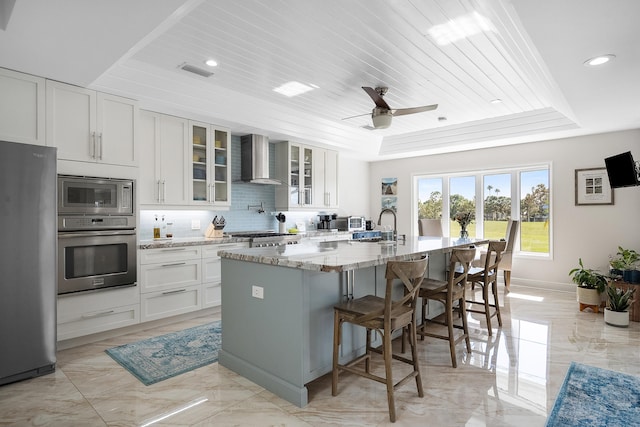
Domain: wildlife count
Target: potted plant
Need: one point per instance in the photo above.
(624, 262)
(590, 284)
(617, 311)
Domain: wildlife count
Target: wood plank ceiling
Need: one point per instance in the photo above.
(340, 46)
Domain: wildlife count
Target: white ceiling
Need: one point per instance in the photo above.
(531, 59)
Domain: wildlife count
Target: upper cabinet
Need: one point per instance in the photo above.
(91, 126)
(183, 163)
(310, 177)
(210, 165)
(164, 159)
(22, 108)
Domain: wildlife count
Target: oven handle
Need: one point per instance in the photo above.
(97, 233)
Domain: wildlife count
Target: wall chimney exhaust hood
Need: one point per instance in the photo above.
(254, 157)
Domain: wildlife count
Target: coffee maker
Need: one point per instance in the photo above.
(325, 221)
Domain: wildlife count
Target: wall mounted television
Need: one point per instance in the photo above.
(622, 170)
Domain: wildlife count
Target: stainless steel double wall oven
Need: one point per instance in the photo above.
(96, 233)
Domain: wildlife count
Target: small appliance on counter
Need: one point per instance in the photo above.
(369, 225)
(350, 223)
(326, 221)
(281, 219)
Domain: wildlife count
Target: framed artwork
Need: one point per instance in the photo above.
(390, 202)
(389, 186)
(592, 187)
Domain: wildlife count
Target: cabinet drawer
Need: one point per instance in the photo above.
(157, 305)
(152, 256)
(156, 277)
(211, 251)
(87, 302)
(72, 325)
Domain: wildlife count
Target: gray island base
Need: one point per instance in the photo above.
(277, 305)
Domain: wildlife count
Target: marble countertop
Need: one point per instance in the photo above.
(345, 255)
(193, 241)
(188, 241)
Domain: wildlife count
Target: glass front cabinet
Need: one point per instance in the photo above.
(294, 166)
(210, 165)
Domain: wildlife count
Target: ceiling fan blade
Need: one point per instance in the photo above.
(380, 102)
(359, 115)
(405, 111)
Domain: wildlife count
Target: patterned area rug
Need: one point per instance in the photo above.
(592, 397)
(156, 359)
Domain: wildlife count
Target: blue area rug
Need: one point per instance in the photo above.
(156, 359)
(592, 397)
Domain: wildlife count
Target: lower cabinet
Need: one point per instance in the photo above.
(160, 304)
(170, 281)
(212, 273)
(93, 312)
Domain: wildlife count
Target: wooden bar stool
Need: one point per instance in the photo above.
(487, 278)
(448, 292)
(384, 315)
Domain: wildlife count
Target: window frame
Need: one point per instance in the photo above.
(479, 175)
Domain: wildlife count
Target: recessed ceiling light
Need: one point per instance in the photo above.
(211, 62)
(461, 27)
(442, 119)
(599, 60)
(496, 101)
(293, 88)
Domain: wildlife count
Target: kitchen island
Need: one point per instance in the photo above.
(277, 304)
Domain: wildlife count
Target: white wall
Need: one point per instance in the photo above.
(589, 232)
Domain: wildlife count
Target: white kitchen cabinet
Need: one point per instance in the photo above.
(294, 166)
(212, 272)
(163, 159)
(170, 281)
(325, 174)
(91, 312)
(22, 108)
(210, 165)
(310, 174)
(90, 126)
(161, 304)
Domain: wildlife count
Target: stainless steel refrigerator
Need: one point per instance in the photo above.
(28, 244)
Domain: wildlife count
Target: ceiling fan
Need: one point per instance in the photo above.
(382, 114)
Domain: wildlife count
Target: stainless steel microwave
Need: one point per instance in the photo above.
(84, 195)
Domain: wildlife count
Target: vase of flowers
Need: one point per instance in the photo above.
(464, 219)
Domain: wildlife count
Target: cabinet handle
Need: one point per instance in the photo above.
(100, 144)
(173, 265)
(92, 146)
(164, 191)
(174, 292)
(173, 249)
(102, 313)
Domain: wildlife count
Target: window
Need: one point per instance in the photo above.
(514, 193)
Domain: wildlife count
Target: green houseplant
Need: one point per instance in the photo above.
(590, 284)
(623, 263)
(617, 311)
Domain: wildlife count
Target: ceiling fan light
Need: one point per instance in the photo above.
(381, 121)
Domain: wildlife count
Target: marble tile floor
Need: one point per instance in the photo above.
(510, 379)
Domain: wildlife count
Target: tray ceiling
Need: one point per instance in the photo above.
(527, 54)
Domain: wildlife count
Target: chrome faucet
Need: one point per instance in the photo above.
(395, 222)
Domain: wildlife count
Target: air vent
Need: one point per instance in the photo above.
(193, 69)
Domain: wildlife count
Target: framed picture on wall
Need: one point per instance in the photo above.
(592, 187)
(389, 186)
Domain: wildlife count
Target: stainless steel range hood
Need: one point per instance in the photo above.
(254, 157)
